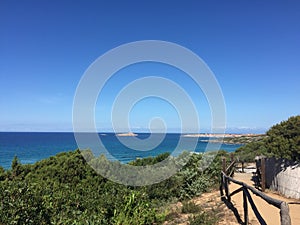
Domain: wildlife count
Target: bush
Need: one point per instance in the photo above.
(65, 190)
(202, 219)
(190, 207)
(282, 141)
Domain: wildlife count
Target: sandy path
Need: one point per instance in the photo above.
(268, 212)
(212, 201)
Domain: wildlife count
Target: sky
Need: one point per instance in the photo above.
(252, 48)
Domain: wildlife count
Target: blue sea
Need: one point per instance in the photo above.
(31, 147)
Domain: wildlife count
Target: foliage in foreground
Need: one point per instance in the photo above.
(282, 141)
(65, 190)
(202, 218)
(190, 207)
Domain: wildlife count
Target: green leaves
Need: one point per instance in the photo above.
(136, 210)
(65, 190)
(282, 141)
(20, 204)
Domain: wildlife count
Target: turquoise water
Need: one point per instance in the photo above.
(32, 147)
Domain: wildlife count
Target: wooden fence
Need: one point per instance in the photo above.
(226, 178)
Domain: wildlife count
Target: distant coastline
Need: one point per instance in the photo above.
(228, 138)
(221, 135)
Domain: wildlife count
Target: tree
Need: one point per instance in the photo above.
(16, 166)
(2, 174)
(284, 139)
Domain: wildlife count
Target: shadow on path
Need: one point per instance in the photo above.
(233, 209)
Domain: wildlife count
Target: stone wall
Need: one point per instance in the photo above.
(283, 176)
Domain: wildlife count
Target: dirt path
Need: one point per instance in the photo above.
(268, 212)
(212, 202)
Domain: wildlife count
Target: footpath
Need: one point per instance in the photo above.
(212, 202)
(269, 213)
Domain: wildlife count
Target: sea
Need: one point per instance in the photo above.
(31, 147)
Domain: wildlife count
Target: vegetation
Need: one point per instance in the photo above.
(243, 139)
(65, 190)
(202, 218)
(282, 141)
(190, 207)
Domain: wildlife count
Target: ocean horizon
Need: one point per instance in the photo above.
(31, 147)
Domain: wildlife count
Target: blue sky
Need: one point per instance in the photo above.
(252, 47)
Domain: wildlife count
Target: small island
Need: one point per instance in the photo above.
(129, 134)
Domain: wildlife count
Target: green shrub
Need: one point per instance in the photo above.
(190, 207)
(282, 141)
(202, 219)
(64, 189)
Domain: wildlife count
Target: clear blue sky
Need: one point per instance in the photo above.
(252, 47)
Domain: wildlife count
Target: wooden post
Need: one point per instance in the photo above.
(224, 165)
(245, 203)
(231, 157)
(263, 175)
(226, 187)
(284, 214)
(221, 185)
(243, 166)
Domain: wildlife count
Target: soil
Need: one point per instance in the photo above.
(212, 203)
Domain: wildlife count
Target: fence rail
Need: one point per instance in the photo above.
(226, 195)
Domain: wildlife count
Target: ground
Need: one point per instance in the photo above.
(212, 202)
(209, 202)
